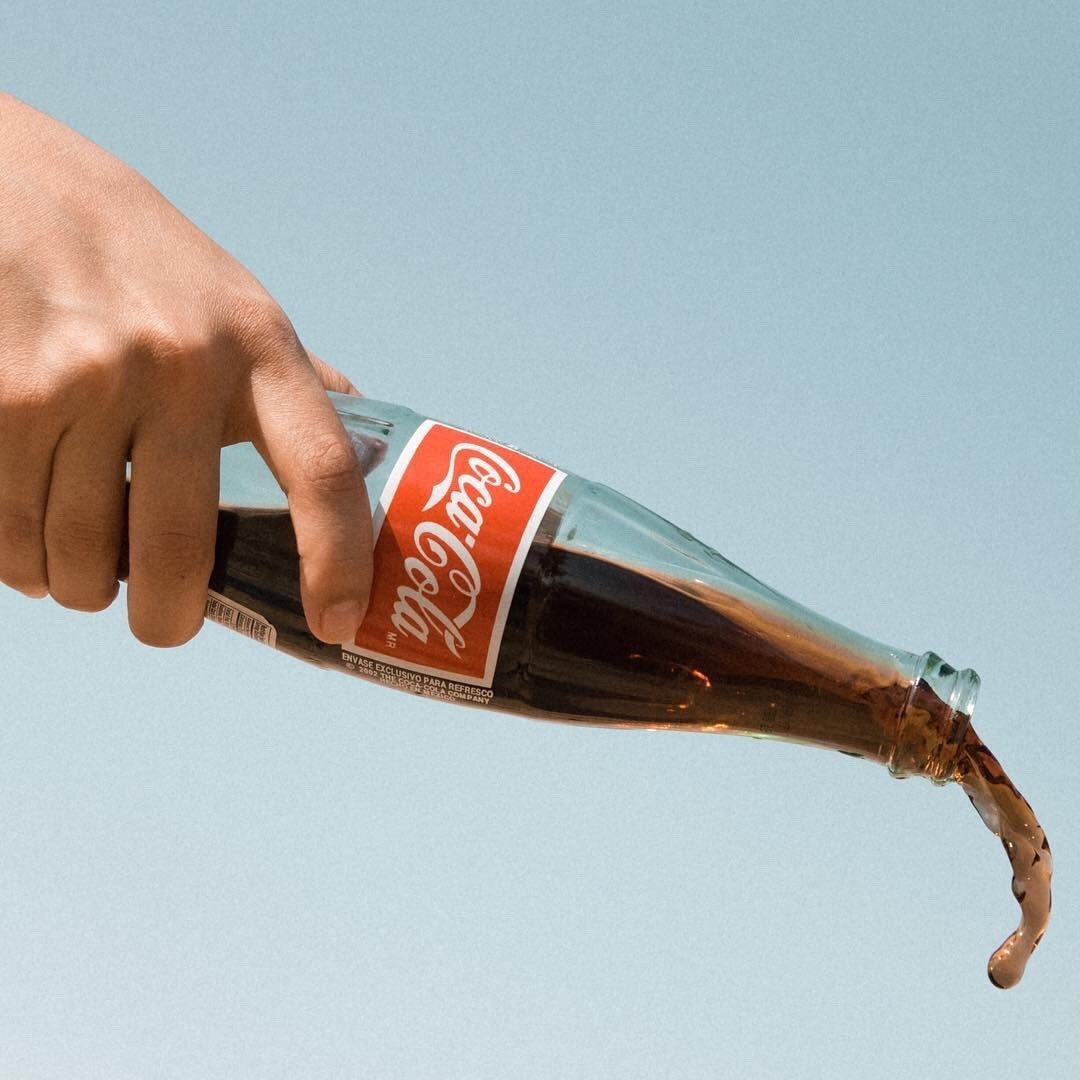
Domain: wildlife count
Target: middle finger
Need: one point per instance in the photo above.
(172, 523)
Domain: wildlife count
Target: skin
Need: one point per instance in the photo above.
(128, 335)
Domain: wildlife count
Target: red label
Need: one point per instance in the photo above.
(453, 527)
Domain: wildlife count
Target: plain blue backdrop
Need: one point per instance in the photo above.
(801, 277)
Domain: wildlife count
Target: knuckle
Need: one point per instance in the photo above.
(169, 345)
(89, 367)
(255, 310)
(79, 361)
(81, 543)
(20, 532)
(26, 400)
(97, 353)
(328, 465)
(255, 316)
(173, 558)
(22, 563)
(82, 559)
(69, 373)
(158, 336)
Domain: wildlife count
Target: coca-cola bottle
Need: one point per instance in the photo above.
(502, 582)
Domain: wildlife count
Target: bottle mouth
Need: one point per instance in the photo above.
(934, 720)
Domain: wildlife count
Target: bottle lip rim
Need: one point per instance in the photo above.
(957, 689)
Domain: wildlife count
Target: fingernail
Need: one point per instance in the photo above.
(341, 621)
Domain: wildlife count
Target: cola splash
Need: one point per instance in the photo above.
(1008, 815)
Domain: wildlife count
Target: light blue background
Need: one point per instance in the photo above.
(801, 277)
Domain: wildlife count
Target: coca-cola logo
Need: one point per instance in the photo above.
(444, 579)
(454, 524)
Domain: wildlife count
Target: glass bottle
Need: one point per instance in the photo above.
(502, 582)
(617, 618)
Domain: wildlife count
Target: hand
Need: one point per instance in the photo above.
(126, 334)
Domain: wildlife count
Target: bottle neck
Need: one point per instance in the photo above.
(934, 720)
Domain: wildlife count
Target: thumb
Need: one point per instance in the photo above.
(331, 378)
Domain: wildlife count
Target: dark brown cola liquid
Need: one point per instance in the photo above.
(1008, 815)
(590, 640)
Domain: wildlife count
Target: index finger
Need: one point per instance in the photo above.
(302, 439)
